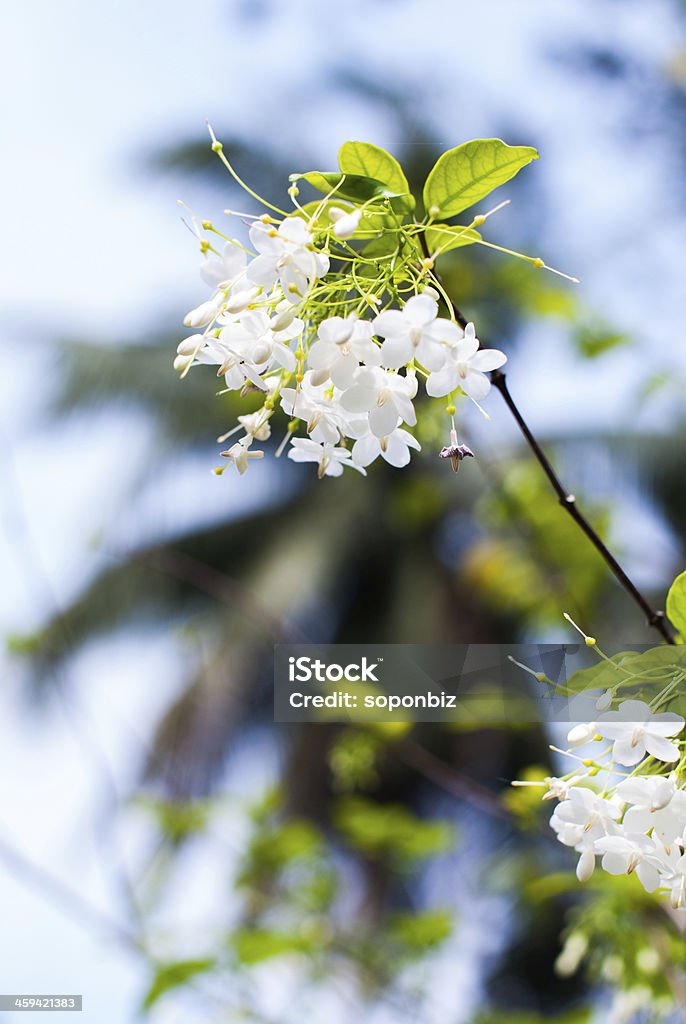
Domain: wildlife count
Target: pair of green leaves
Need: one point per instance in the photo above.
(460, 178)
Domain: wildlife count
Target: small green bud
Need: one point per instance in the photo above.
(591, 641)
(434, 211)
(479, 220)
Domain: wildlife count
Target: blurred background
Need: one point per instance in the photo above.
(164, 848)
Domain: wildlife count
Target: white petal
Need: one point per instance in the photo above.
(366, 449)
(359, 399)
(625, 753)
(475, 384)
(397, 453)
(383, 419)
(390, 323)
(443, 382)
(660, 747)
(262, 271)
(488, 359)
(421, 310)
(395, 352)
(343, 371)
(321, 355)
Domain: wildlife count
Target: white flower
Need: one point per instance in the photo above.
(329, 458)
(415, 333)
(649, 792)
(673, 872)
(343, 344)
(584, 813)
(256, 425)
(465, 366)
(240, 453)
(253, 335)
(624, 854)
(387, 397)
(580, 820)
(233, 355)
(318, 407)
(223, 272)
(345, 222)
(285, 253)
(667, 822)
(394, 448)
(637, 732)
(558, 789)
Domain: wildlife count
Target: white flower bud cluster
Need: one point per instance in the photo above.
(277, 324)
(637, 825)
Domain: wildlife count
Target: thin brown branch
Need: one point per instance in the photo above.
(655, 618)
(448, 778)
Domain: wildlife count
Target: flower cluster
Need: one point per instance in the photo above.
(637, 821)
(291, 319)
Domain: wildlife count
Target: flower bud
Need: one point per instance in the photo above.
(586, 866)
(283, 319)
(182, 362)
(261, 352)
(580, 734)
(202, 315)
(347, 225)
(241, 300)
(604, 701)
(189, 346)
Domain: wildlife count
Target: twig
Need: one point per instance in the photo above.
(448, 778)
(656, 619)
(62, 895)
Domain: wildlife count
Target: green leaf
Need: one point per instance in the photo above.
(169, 976)
(463, 176)
(593, 342)
(422, 932)
(358, 188)
(253, 945)
(676, 604)
(390, 830)
(363, 158)
(450, 236)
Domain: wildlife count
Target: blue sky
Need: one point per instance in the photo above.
(94, 245)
